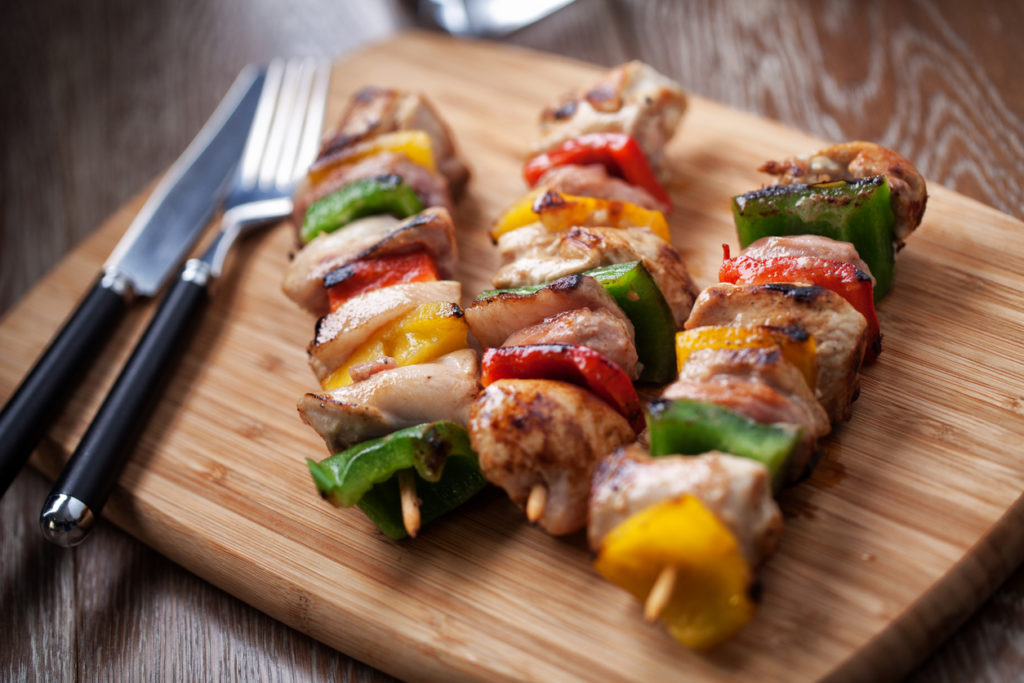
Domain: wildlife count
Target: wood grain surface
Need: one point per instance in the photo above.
(877, 559)
(99, 100)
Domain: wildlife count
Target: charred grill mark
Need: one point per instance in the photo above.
(500, 296)
(337, 276)
(345, 271)
(366, 117)
(422, 218)
(769, 192)
(343, 140)
(550, 200)
(605, 97)
(799, 293)
(794, 332)
(857, 191)
(565, 111)
(372, 252)
(567, 283)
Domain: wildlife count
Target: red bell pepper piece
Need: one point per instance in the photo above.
(575, 364)
(357, 277)
(617, 152)
(843, 278)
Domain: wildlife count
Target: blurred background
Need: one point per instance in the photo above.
(98, 98)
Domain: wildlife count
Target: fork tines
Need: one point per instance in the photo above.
(278, 151)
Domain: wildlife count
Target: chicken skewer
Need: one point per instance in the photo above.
(597, 204)
(794, 268)
(378, 255)
(363, 147)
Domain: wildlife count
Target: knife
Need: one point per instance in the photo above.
(167, 227)
(282, 145)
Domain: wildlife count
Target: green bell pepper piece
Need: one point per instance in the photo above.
(365, 197)
(639, 297)
(460, 482)
(687, 427)
(858, 211)
(364, 475)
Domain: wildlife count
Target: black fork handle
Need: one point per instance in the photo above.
(39, 398)
(88, 478)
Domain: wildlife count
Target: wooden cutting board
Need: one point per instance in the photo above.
(912, 517)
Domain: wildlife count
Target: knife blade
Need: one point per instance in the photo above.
(182, 204)
(166, 228)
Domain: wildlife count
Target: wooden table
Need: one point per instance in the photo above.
(99, 99)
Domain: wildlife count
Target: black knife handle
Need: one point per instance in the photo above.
(48, 386)
(90, 475)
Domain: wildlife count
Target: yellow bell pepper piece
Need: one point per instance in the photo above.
(802, 352)
(518, 215)
(709, 600)
(414, 144)
(424, 334)
(559, 212)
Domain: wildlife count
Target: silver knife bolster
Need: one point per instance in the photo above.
(196, 271)
(118, 283)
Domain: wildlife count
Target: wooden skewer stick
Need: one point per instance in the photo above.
(536, 503)
(661, 591)
(410, 502)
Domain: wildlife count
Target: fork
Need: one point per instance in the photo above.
(281, 144)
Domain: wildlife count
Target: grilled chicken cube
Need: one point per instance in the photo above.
(494, 319)
(736, 490)
(530, 432)
(370, 237)
(599, 330)
(303, 279)
(532, 255)
(814, 246)
(592, 180)
(376, 111)
(393, 399)
(430, 187)
(839, 331)
(767, 365)
(855, 160)
(342, 331)
(762, 385)
(632, 98)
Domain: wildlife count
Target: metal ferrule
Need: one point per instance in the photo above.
(196, 271)
(118, 284)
